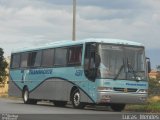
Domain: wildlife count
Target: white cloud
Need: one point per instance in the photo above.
(25, 23)
(31, 25)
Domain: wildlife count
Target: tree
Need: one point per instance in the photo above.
(3, 66)
(158, 67)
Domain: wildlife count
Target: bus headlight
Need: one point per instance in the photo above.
(143, 91)
(104, 89)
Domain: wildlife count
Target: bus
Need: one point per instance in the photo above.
(109, 72)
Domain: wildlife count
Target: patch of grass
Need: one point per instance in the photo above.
(137, 108)
(4, 95)
(154, 99)
(153, 105)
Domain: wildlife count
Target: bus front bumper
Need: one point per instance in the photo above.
(130, 98)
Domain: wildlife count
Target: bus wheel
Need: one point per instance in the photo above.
(60, 103)
(26, 99)
(25, 96)
(75, 99)
(117, 107)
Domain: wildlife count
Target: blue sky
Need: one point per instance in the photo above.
(25, 23)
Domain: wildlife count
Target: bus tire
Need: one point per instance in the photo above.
(75, 99)
(25, 96)
(117, 107)
(59, 103)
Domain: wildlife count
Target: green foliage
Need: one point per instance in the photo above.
(3, 66)
(154, 87)
(153, 83)
(158, 67)
(150, 107)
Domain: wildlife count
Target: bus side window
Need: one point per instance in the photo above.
(24, 58)
(60, 57)
(47, 57)
(34, 59)
(37, 58)
(75, 55)
(15, 60)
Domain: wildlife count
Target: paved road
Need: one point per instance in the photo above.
(47, 111)
(17, 106)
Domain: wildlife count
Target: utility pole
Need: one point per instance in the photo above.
(74, 21)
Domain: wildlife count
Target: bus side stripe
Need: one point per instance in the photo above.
(52, 78)
(66, 81)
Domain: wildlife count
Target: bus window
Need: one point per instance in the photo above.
(75, 55)
(90, 62)
(90, 56)
(24, 57)
(38, 56)
(15, 60)
(34, 59)
(47, 57)
(60, 56)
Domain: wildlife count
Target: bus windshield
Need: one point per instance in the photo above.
(122, 62)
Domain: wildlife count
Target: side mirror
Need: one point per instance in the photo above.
(148, 65)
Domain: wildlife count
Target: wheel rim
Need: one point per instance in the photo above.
(25, 96)
(76, 98)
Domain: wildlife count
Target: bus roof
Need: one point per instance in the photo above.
(77, 42)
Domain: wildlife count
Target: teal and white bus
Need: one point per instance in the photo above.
(91, 71)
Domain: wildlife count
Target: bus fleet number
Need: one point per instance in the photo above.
(79, 73)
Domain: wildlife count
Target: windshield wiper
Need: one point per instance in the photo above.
(122, 66)
(131, 69)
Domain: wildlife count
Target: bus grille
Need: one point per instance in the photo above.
(125, 89)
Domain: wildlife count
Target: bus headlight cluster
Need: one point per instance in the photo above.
(143, 91)
(104, 89)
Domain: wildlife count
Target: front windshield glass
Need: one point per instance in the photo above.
(121, 62)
